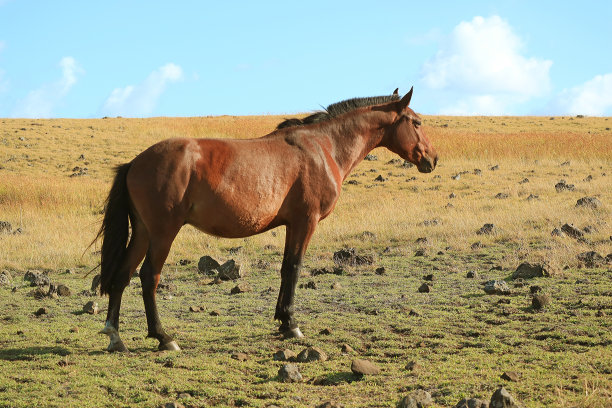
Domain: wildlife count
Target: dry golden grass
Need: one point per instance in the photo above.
(59, 214)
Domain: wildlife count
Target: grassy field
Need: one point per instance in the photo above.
(55, 174)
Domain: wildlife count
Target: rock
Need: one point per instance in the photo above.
(591, 259)
(345, 348)
(229, 271)
(572, 231)
(327, 271)
(196, 309)
(425, 288)
(502, 399)
(471, 274)
(472, 403)
(413, 312)
(370, 157)
(531, 197)
(326, 331)
(500, 196)
(36, 278)
(289, 373)
(496, 287)
(174, 404)
(183, 262)
(477, 245)
(413, 366)
(5, 278)
(41, 311)
(380, 178)
(430, 277)
(493, 168)
(486, 229)
(240, 356)
(329, 404)
(380, 270)
(215, 313)
(63, 290)
(510, 376)
(563, 186)
(207, 264)
(74, 329)
(422, 241)
(349, 257)
(529, 271)
(420, 252)
(535, 289)
(5, 227)
(540, 301)
(242, 287)
(336, 286)
(308, 285)
(452, 195)
(418, 399)
(589, 202)
(477, 172)
(91, 307)
(284, 355)
(364, 367)
(311, 354)
(524, 181)
(39, 293)
(95, 284)
(556, 232)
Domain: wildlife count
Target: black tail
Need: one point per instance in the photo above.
(115, 230)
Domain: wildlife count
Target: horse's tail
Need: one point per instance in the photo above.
(115, 230)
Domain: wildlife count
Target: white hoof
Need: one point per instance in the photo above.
(170, 346)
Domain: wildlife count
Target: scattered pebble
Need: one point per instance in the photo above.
(364, 367)
(289, 373)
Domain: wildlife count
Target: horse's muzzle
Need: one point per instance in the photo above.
(427, 164)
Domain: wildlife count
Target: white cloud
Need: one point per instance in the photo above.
(141, 99)
(481, 61)
(41, 102)
(594, 98)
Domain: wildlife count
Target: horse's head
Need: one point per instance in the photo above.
(405, 136)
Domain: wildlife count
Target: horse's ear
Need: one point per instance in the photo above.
(405, 101)
(396, 92)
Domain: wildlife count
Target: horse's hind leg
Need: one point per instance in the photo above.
(135, 252)
(150, 274)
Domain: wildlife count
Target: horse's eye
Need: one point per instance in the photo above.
(417, 123)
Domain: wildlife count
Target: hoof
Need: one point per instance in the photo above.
(294, 333)
(170, 346)
(117, 346)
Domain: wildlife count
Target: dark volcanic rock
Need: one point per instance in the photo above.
(497, 287)
(5, 278)
(591, 259)
(589, 202)
(418, 399)
(289, 373)
(5, 227)
(207, 264)
(510, 376)
(472, 403)
(242, 287)
(527, 270)
(37, 278)
(229, 271)
(486, 229)
(95, 284)
(572, 231)
(425, 288)
(502, 399)
(350, 257)
(563, 186)
(284, 355)
(91, 307)
(311, 354)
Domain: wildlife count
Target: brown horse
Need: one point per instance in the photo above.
(239, 188)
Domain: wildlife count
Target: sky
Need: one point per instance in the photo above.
(89, 59)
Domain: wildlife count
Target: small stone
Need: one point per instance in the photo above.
(413, 312)
(600, 313)
(230, 270)
(174, 404)
(471, 274)
(429, 277)
(495, 167)
(588, 202)
(425, 288)
(215, 313)
(531, 197)
(380, 270)
(452, 195)
(289, 373)
(486, 229)
(74, 329)
(380, 178)
(345, 348)
(540, 301)
(563, 186)
(39, 293)
(311, 354)
(364, 367)
(418, 399)
(326, 331)
(413, 366)
(240, 356)
(510, 376)
(496, 287)
(472, 403)
(572, 231)
(336, 286)
(477, 245)
(36, 278)
(556, 232)
(196, 309)
(41, 311)
(420, 252)
(207, 264)
(535, 289)
(95, 283)
(5, 278)
(91, 307)
(502, 399)
(591, 259)
(527, 270)
(63, 290)
(524, 181)
(501, 196)
(242, 287)
(370, 157)
(308, 285)
(329, 404)
(5, 227)
(284, 355)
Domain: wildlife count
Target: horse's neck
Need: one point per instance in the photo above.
(352, 139)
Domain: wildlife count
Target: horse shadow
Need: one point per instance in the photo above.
(30, 353)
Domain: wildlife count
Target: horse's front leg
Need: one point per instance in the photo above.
(296, 242)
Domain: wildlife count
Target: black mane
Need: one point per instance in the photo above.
(337, 109)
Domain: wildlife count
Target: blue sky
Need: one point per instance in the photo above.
(85, 59)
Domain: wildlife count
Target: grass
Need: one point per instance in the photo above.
(463, 339)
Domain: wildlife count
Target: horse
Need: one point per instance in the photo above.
(291, 177)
